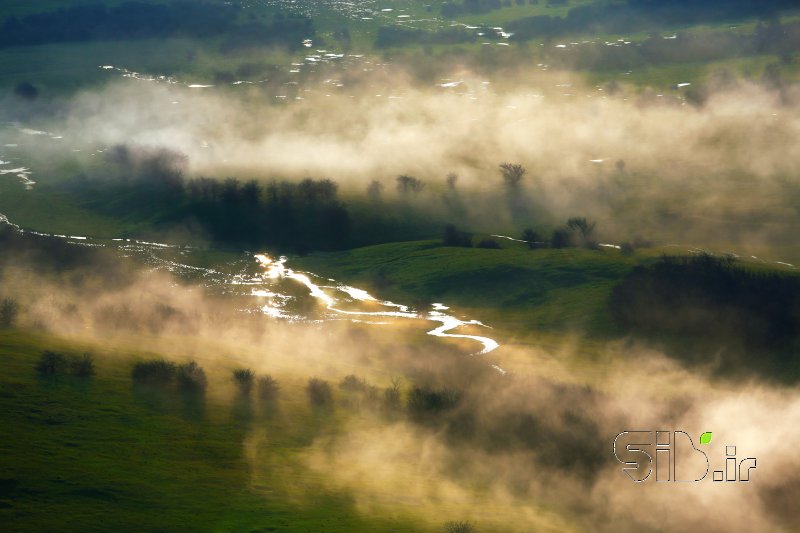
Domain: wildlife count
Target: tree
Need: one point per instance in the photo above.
(585, 228)
(512, 174)
(561, 238)
(454, 237)
(82, 366)
(375, 190)
(192, 377)
(531, 238)
(156, 372)
(391, 395)
(244, 377)
(268, 388)
(51, 363)
(319, 392)
(409, 184)
(353, 383)
(452, 181)
(9, 309)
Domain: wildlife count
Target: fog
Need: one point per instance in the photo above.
(531, 450)
(642, 162)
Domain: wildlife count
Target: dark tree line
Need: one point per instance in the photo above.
(642, 15)
(710, 305)
(303, 216)
(306, 215)
(781, 39)
(141, 20)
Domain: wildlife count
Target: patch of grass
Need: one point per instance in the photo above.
(51, 212)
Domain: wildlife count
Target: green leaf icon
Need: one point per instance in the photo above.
(705, 438)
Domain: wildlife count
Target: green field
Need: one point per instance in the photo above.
(91, 454)
(526, 290)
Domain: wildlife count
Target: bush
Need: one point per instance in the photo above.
(191, 377)
(319, 392)
(244, 377)
(489, 243)
(9, 309)
(26, 91)
(454, 237)
(82, 366)
(51, 363)
(562, 238)
(268, 388)
(531, 238)
(424, 400)
(157, 372)
(459, 527)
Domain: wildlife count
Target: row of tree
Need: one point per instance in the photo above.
(774, 37)
(608, 18)
(711, 307)
(577, 232)
(140, 20)
(356, 392)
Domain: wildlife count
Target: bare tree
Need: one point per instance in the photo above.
(585, 228)
(512, 174)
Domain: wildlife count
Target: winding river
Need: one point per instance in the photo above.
(276, 289)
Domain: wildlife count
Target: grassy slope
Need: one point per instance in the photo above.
(542, 289)
(91, 455)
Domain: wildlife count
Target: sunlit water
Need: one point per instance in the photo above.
(282, 293)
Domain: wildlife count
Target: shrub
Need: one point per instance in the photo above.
(82, 366)
(26, 91)
(9, 309)
(562, 238)
(423, 400)
(459, 527)
(51, 363)
(489, 243)
(531, 238)
(319, 392)
(244, 377)
(154, 372)
(454, 237)
(268, 388)
(191, 377)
